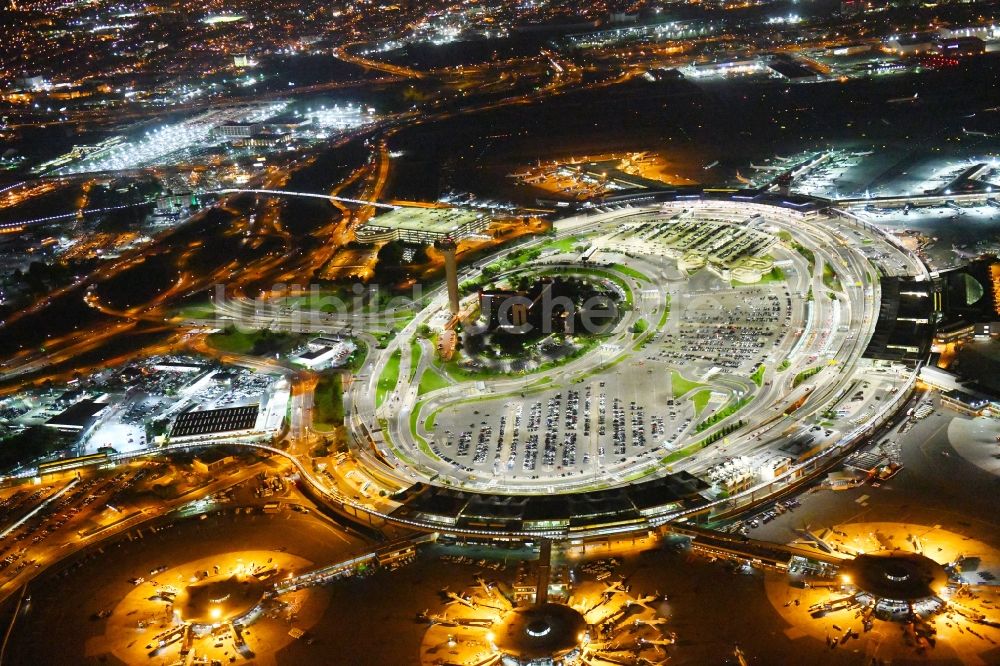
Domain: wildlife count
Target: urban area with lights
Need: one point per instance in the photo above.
(500, 333)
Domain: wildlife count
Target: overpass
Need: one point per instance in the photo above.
(308, 195)
(275, 193)
(65, 216)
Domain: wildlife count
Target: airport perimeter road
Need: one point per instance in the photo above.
(833, 289)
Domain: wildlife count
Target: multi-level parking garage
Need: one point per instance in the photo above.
(709, 392)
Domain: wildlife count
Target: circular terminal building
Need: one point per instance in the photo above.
(212, 602)
(540, 635)
(897, 583)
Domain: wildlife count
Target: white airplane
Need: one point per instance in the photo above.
(645, 601)
(615, 586)
(811, 539)
(459, 599)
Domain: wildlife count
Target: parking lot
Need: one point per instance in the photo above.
(732, 329)
(634, 413)
(561, 432)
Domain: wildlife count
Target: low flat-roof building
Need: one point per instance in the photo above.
(77, 417)
(965, 402)
(211, 462)
(423, 225)
(940, 379)
(912, 44)
(960, 46)
(325, 351)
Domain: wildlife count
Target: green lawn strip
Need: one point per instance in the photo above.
(697, 446)
(758, 375)
(635, 476)
(723, 413)
(808, 254)
(415, 352)
(681, 385)
(431, 381)
(205, 310)
(421, 442)
(784, 365)
(429, 423)
(234, 341)
(604, 367)
(461, 374)
(700, 400)
(666, 313)
(510, 261)
(388, 442)
(432, 417)
(358, 356)
(328, 402)
(682, 453)
(830, 278)
(631, 272)
(805, 374)
(258, 343)
(565, 244)
(622, 356)
(387, 380)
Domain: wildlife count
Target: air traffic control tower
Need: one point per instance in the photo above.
(447, 247)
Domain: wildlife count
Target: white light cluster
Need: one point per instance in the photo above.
(791, 19)
(163, 141)
(340, 118)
